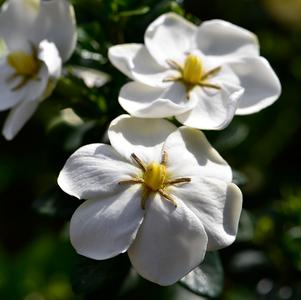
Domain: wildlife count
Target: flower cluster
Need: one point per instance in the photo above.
(160, 193)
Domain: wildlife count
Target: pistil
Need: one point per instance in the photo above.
(193, 70)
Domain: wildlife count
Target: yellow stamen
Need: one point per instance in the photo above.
(168, 197)
(154, 176)
(177, 181)
(23, 63)
(154, 179)
(164, 158)
(193, 70)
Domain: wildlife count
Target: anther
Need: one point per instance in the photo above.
(174, 65)
(131, 181)
(164, 158)
(168, 197)
(211, 73)
(209, 85)
(177, 181)
(139, 162)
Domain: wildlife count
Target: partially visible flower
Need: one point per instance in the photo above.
(203, 75)
(92, 78)
(160, 193)
(39, 36)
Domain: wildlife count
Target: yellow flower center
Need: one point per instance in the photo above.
(154, 176)
(193, 70)
(154, 179)
(192, 74)
(23, 63)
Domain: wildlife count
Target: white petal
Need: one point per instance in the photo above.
(17, 117)
(170, 243)
(217, 204)
(106, 227)
(223, 39)
(56, 23)
(169, 37)
(94, 171)
(8, 96)
(49, 54)
(190, 154)
(261, 84)
(35, 88)
(30, 91)
(144, 101)
(135, 61)
(144, 137)
(214, 108)
(16, 20)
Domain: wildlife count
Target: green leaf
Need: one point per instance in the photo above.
(232, 136)
(135, 12)
(207, 279)
(103, 277)
(55, 203)
(239, 178)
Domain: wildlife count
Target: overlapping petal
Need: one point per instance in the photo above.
(8, 97)
(169, 37)
(261, 84)
(56, 23)
(217, 205)
(170, 243)
(36, 86)
(148, 102)
(225, 40)
(144, 137)
(11, 95)
(105, 227)
(49, 54)
(17, 17)
(214, 109)
(24, 21)
(190, 154)
(135, 61)
(94, 171)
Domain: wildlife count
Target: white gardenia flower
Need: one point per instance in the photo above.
(39, 36)
(160, 193)
(202, 75)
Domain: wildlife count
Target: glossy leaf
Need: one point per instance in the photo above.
(207, 279)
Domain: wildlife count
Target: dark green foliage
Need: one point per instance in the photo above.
(100, 278)
(207, 279)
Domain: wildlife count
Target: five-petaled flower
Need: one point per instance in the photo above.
(39, 35)
(202, 75)
(160, 193)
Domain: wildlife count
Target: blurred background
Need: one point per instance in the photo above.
(37, 261)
